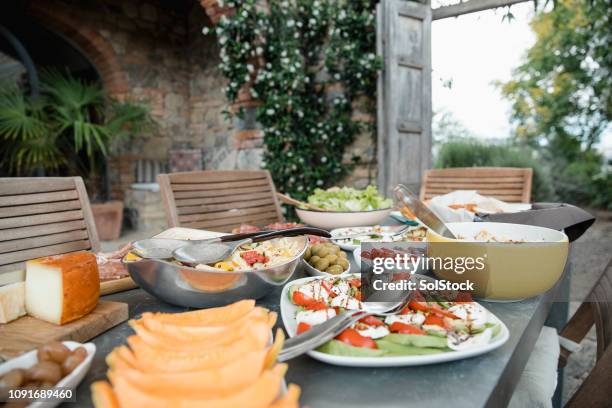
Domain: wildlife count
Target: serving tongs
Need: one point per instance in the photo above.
(408, 200)
(193, 251)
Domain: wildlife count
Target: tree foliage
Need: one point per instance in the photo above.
(562, 94)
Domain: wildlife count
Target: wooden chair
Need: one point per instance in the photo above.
(41, 216)
(597, 310)
(219, 200)
(509, 184)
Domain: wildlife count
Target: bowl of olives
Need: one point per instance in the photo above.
(324, 259)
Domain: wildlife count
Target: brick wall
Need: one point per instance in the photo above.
(154, 51)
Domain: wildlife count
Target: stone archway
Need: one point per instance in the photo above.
(93, 46)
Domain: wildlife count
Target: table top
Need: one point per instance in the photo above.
(487, 380)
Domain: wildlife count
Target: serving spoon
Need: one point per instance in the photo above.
(297, 203)
(211, 252)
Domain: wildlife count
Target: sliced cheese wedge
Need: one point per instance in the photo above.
(62, 288)
(12, 302)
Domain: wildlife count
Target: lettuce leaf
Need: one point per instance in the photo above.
(349, 199)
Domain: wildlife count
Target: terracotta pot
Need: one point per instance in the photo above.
(108, 217)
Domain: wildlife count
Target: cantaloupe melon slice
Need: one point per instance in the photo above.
(103, 396)
(163, 360)
(201, 331)
(207, 317)
(277, 346)
(190, 342)
(260, 394)
(217, 382)
(290, 399)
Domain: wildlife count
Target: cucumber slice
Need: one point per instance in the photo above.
(417, 340)
(339, 348)
(394, 349)
(495, 328)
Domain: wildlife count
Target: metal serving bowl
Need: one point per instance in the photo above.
(190, 287)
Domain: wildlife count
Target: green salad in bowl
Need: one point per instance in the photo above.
(349, 199)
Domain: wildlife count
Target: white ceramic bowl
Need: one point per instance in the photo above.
(334, 219)
(71, 381)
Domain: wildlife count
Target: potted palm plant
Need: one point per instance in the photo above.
(68, 130)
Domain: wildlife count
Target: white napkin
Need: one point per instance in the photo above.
(484, 205)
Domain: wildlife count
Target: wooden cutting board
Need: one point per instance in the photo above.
(116, 285)
(27, 333)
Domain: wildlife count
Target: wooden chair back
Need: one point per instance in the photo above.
(219, 200)
(509, 184)
(41, 216)
(596, 309)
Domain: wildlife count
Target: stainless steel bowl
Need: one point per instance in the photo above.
(192, 287)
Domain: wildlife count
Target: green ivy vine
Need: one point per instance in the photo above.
(307, 61)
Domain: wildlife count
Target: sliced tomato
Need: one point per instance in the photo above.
(328, 288)
(371, 321)
(434, 320)
(358, 296)
(442, 312)
(302, 327)
(405, 328)
(355, 283)
(307, 302)
(353, 338)
(420, 306)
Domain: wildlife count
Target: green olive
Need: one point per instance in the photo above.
(335, 270)
(342, 254)
(323, 252)
(316, 248)
(332, 259)
(344, 263)
(314, 259)
(322, 264)
(307, 253)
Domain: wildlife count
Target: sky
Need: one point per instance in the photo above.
(473, 51)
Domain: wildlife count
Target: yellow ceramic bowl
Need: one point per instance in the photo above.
(510, 271)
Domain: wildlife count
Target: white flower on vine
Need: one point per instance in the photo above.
(250, 68)
(205, 30)
(284, 53)
(371, 56)
(301, 160)
(324, 136)
(244, 13)
(292, 70)
(247, 46)
(296, 35)
(290, 23)
(312, 21)
(222, 40)
(337, 76)
(259, 50)
(300, 114)
(221, 3)
(223, 19)
(315, 12)
(358, 75)
(269, 112)
(319, 182)
(339, 128)
(233, 84)
(247, 77)
(323, 159)
(300, 187)
(268, 65)
(292, 179)
(299, 24)
(289, 153)
(341, 15)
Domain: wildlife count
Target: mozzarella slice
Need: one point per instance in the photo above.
(314, 290)
(314, 317)
(410, 318)
(464, 341)
(475, 315)
(374, 332)
(346, 302)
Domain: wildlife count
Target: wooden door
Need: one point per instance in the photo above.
(404, 93)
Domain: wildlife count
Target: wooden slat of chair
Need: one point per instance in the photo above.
(596, 309)
(508, 184)
(219, 200)
(41, 216)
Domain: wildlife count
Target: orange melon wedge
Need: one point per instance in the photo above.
(289, 400)
(277, 346)
(203, 331)
(216, 316)
(103, 396)
(259, 394)
(166, 339)
(215, 382)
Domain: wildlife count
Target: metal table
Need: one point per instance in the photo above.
(487, 380)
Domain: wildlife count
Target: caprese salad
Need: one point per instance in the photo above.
(426, 325)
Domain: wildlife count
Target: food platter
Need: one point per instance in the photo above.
(289, 310)
(374, 234)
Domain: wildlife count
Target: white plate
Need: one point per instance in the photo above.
(288, 311)
(71, 381)
(336, 219)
